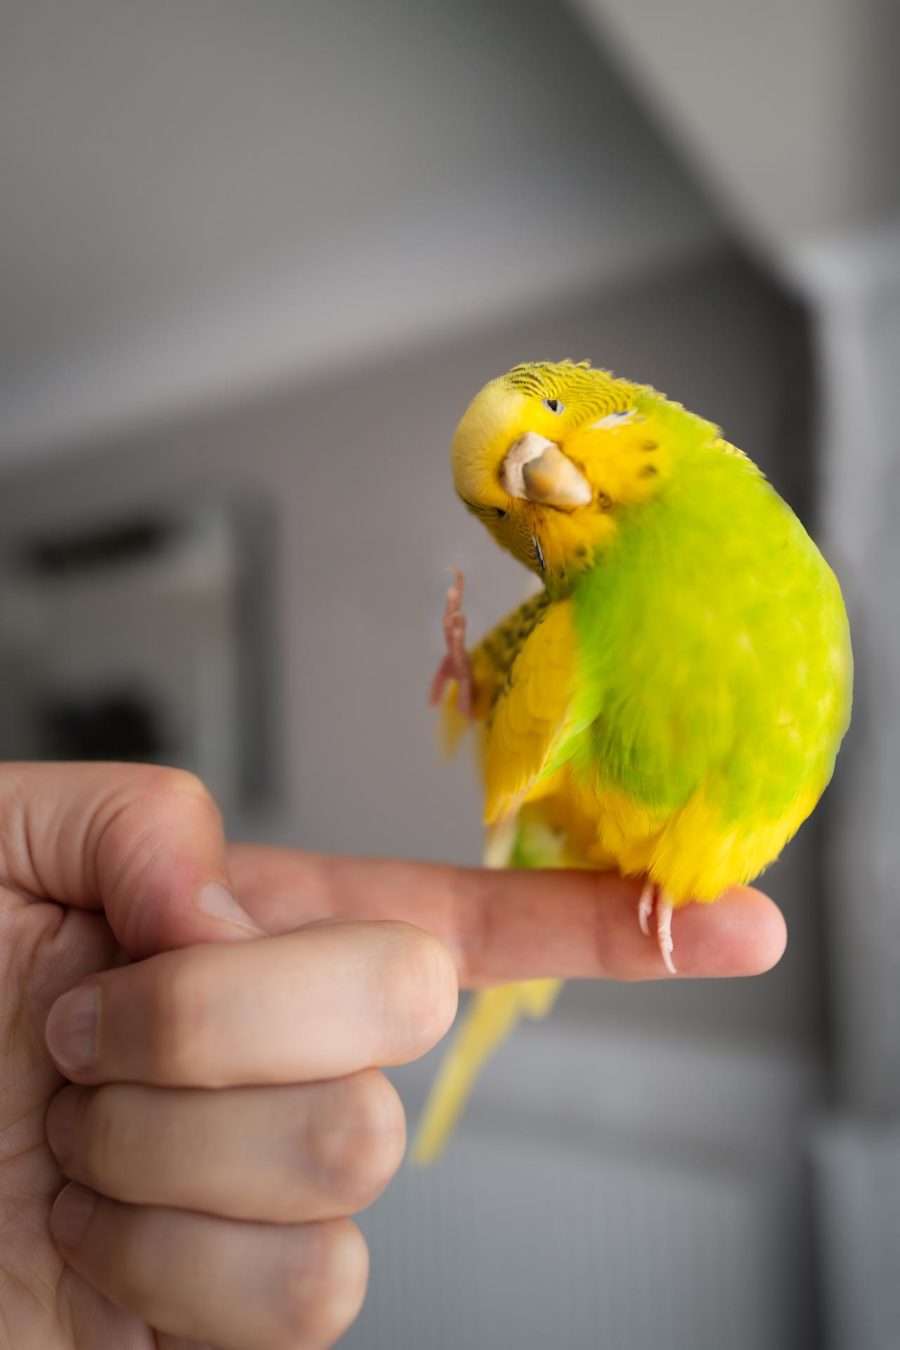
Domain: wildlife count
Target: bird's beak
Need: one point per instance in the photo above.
(536, 470)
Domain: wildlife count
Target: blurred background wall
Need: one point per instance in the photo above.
(254, 261)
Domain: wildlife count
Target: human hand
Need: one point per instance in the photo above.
(189, 1223)
(93, 860)
(224, 1217)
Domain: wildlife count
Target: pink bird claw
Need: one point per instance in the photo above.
(456, 664)
(654, 898)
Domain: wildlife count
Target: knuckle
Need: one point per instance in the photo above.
(100, 1144)
(325, 1282)
(358, 1138)
(178, 1024)
(423, 989)
(157, 805)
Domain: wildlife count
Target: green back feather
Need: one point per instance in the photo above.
(712, 635)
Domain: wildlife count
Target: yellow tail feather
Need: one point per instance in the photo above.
(491, 1017)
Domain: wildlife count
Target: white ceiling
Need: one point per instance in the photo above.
(202, 196)
(789, 110)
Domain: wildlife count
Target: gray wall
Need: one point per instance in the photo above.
(208, 196)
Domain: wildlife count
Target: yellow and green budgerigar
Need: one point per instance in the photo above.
(672, 700)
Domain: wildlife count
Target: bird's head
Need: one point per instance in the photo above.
(550, 455)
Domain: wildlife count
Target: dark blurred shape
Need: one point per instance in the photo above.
(121, 724)
(100, 548)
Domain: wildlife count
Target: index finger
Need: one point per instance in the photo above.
(511, 925)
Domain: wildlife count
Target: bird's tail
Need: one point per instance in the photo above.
(491, 1017)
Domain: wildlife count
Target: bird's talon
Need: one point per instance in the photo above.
(664, 934)
(653, 898)
(645, 906)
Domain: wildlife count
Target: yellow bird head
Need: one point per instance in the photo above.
(549, 454)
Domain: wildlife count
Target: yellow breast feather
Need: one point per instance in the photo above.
(532, 717)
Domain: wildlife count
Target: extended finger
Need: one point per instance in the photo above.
(276, 1154)
(319, 1003)
(241, 1286)
(510, 925)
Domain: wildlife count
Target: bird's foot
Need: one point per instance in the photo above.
(652, 898)
(456, 664)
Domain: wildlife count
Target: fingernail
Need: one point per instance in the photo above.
(61, 1119)
(213, 899)
(71, 1032)
(71, 1214)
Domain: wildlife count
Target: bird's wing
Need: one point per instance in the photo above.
(532, 721)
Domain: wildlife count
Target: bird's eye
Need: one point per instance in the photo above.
(553, 405)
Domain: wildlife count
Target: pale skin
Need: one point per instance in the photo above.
(229, 1113)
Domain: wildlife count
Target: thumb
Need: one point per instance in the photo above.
(144, 844)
